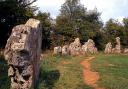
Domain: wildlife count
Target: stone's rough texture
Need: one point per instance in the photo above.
(89, 47)
(22, 53)
(117, 48)
(65, 50)
(75, 47)
(57, 50)
(108, 48)
(126, 50)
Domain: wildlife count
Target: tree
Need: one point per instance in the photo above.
(115, 29)
(125, 22)
(75, 21)
(13, 12)
(47, 29)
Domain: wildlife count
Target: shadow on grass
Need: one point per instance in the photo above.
(47, 79)
(4, 80)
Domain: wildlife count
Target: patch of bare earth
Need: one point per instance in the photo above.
(90, 77)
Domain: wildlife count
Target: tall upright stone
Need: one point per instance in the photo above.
(108, 48)
(117, 48)
(65, 50)
(75, 47)
(22, 53)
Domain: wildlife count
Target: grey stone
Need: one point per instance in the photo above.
(108, 48)
(75, 47)
(57, 50)
(22, 52)
(89, 47)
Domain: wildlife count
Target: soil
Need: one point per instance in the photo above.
(90, 77)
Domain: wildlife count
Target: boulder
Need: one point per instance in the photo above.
(22, 53)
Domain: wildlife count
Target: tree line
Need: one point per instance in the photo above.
(74, 20)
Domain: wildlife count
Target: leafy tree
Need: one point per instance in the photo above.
(115, 29)
(47, 29)
(75, 21)
(125, 22)
(13, 12)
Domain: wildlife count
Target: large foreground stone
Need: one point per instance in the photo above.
(22, 53)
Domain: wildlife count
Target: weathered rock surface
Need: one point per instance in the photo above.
(108, 48)
(89, 47)
(126, 50)
(117, 48)
(22, 53)
(65, 50)
(57, 50)
(75, 47)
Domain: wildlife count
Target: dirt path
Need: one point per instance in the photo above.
(90, 77)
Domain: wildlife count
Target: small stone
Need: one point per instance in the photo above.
(126, 50)
(57, 50)
(65, 50)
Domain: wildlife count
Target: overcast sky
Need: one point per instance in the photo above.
(116, 9)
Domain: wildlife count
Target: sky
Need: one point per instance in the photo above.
(116, 9)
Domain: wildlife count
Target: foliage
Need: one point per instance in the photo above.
(75, 21)
(115, 29)
(4, 80)
(13, 12)
(46, 28)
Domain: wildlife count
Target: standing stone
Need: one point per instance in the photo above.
(108, 48)
(57, 50)
(22, 53)
(65, 50)
(75, 47)
(117, 48)
(89, 47)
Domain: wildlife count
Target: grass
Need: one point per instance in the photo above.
(65, 72)
(62, 72)
(56, 72)
(113, 70)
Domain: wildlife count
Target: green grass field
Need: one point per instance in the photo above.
(113, 70)
(62, 72)
(65, 72)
